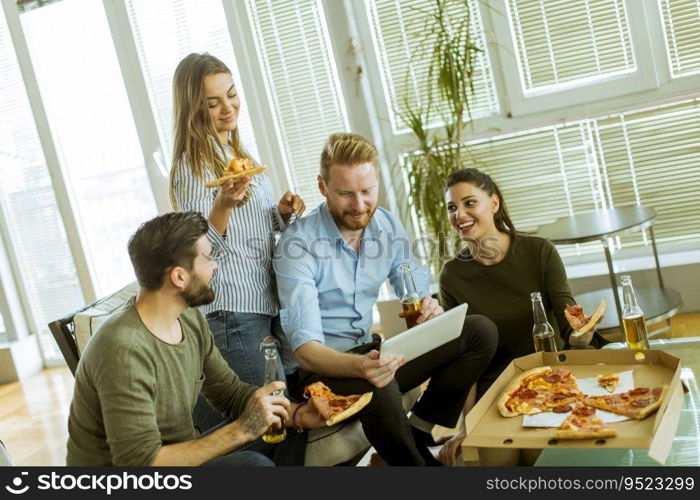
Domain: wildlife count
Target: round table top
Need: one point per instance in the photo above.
(597, 225)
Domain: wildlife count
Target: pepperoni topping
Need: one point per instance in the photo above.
(561, 409)
(624, 396)
(574, 310)
(552, 378)
(639, 391)
(657, 392)
(526, 393)
(584, 411)
(640, 403)
(563, 373)
(559, 396)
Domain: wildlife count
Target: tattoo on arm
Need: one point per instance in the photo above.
(253, 420)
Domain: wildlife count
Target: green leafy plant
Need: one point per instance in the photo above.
(451, 52)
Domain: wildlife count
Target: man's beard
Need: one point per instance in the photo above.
(197, 293)
(344, 220)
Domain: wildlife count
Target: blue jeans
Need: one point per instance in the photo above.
(258, 453)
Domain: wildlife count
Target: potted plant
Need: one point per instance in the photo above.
(451, 53)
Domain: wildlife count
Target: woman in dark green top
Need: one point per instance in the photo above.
(497, 271)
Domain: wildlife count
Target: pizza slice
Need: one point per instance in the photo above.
(635, 403)
(609, 381)
(583, 424)
(537, 390)
(578, 319)
(238, 167)
(333, 407)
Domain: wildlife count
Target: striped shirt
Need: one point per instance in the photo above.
(244, 281)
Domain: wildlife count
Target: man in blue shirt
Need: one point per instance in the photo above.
(330, 266)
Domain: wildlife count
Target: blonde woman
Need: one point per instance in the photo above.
(241, 214)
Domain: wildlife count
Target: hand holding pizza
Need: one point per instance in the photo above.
(583, 326)
(232, 192)
(380, 370)
(310, 418)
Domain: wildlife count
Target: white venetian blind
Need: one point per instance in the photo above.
(648, 158)
(302, 84)
(37, 237)
(400, 41)
(682, 30)
(652, 158)
(165, 32)
(563, 43)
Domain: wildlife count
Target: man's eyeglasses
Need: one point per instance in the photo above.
(214, 256)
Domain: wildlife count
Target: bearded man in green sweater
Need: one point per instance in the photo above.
(138, 380)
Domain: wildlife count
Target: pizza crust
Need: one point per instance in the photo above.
(585, 434)
(515, 385)
(591, 322)
(246, 173)
(351, 410)
(655, 405)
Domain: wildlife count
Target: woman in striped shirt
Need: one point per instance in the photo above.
(242, 218)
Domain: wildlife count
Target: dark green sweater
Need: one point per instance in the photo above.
(502, 293)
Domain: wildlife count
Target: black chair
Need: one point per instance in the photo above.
(63, 331)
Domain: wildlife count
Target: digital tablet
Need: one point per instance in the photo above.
(427, 336)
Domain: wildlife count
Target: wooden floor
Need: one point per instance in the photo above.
(34, 412)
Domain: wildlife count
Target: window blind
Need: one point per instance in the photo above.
(563, 43)
(38, 240)
(165, 31)
(301, 81)
(682, 29)
(649, 157)
(399, 37)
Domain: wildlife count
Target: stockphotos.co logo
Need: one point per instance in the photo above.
(16, 488)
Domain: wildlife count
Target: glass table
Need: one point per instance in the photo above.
(686, 445)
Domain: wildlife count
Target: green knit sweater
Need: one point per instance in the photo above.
(135, 393)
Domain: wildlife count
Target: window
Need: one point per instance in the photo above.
(681, 26)
(559, 46)
(28, 207)
(166, 31)
(91, 122)
(400, 41)
(302, 85)
(649, 157)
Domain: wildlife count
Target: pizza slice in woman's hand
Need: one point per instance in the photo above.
(581, 323)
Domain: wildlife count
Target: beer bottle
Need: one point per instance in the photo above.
(542, 331)
(410, 299)
(633, 317)
(273, 434)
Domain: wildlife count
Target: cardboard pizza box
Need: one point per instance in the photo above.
(486, 427)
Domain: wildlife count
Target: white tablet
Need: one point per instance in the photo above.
(427, 336)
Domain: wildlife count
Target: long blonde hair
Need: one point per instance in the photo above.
(196, 144)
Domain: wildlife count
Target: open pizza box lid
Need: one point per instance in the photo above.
(486, 427)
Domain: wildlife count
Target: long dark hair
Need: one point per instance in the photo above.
(484, 182)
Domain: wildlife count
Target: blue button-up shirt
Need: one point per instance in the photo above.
(327, 289)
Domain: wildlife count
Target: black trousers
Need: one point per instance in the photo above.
(452, 369)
